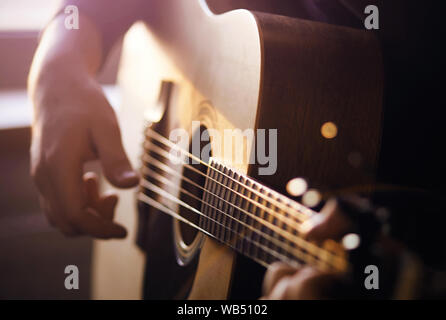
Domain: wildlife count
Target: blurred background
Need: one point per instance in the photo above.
(33, 256)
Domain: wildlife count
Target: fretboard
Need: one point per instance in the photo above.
(260, 223)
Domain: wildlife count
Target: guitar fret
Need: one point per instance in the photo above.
(238, 201)
(203, 221)
(254, 223)
(227, 219)
(236, 213)
(230, 210)
(240, 229)
(221, 214)
(286, 228)
(223, 203)
(262, 255)
(293, 231)
(245, 219)
(229, 213)
(212, 203)
(217, 213)
(209, 199)
(271, 219)
(219, 195)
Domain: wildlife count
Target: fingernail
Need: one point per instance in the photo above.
(130, 174)
(129, 178)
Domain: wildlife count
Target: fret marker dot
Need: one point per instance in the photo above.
(329, 130)
(296, 187)
(311, 198)
(351, 241)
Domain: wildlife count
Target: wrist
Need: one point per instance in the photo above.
(65, 55)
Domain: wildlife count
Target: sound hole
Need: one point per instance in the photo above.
(194, 174)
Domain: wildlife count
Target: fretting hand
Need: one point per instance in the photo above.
(283, 282)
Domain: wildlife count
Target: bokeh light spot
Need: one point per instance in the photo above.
(351, 241)
(311, 198)
(296, 187)
(329, 130)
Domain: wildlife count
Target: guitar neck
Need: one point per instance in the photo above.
(241, 213)
(261, 223)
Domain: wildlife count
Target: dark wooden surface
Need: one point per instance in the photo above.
(314, 73)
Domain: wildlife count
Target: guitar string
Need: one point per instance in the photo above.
(152, 202)
(299, 215)
(298, 207)
(241, 236)
(148, 159)
(336, 263)
(284, 233)
(274, 214)
(304, 210)
(308, 246)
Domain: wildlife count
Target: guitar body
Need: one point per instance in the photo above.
(245, 70)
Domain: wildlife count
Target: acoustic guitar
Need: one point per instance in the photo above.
(210, 226)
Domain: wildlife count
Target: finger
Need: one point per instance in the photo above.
(96, 226)
(54, 220)
(107, 205)
(50, 206)
(279, 291)
(276, 272)
(91, 188)
(103, 205)
(67, 180)
(331, 223)
(107, 140)
(309, 284)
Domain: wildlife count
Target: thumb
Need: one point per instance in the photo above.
(108, 143)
